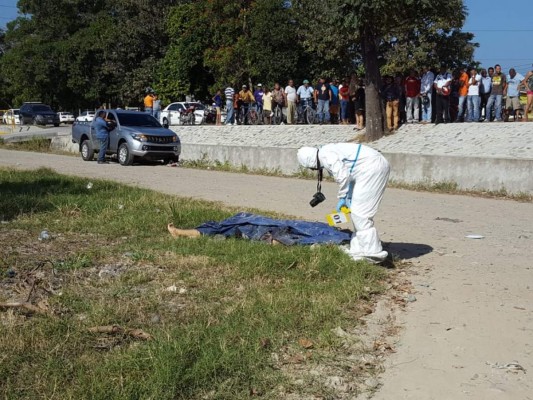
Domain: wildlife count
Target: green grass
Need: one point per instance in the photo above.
(111, 261)
(37, 144)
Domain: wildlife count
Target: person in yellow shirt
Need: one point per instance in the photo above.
(149, 103)
(246, 98)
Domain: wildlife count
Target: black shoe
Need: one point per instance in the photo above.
(103, 162)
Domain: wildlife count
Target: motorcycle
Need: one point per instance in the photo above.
(210, 116)
(187, 117)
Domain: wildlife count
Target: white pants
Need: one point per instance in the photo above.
(366, 196)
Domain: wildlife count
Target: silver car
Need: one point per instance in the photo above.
(132, 135)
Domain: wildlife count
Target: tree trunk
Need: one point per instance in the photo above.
(374, 110)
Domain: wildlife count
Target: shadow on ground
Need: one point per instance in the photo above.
(407, 251)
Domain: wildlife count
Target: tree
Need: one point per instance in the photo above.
(219, 42)
(74, 53)
(375, 30)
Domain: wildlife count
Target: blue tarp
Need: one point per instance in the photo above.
(288, 232)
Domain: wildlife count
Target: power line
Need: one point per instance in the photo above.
(497, 30)
(2, 5)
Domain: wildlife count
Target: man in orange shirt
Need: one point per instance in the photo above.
(149, 102)
(463, 92)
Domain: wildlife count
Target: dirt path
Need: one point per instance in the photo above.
(474, 308)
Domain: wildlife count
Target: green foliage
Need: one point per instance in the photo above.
(76, 54)
(73, 53)
(219, 43)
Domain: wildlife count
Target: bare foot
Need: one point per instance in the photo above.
(175, 232)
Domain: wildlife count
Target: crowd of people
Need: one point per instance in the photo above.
(333, 101)
(429, 96)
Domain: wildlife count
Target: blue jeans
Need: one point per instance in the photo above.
(157, 114)
(229, 112)
(472, 108)
(323, 110)
(461, 107)
(344, 110)
(103, 148)
(149, 110)
(426, 109)
(495, 100)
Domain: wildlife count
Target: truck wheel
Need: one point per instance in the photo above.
(165, 123)
(124, 155)
(56, 124)
(87, 151)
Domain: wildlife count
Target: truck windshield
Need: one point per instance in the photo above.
(42, 108)
(139, 119)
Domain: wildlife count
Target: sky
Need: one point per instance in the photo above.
(505, 35)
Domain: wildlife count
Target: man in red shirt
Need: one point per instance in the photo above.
(344, 94)
(412, 95)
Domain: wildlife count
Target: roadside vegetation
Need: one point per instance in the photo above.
(112, 307)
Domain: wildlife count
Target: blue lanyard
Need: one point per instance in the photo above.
(356, 158)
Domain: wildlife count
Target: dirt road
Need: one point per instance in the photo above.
(473, 312)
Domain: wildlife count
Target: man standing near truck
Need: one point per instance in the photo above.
(102, 134)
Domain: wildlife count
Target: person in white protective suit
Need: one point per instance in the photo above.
(362, 174)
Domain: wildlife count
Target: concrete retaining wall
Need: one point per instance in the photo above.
(475, 173)
(468, 172)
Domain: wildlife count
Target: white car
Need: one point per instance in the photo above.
(86, 116)
(65, 117)
(11, 117)
(170, 115)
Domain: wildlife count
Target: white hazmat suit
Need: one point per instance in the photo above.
(362, 174)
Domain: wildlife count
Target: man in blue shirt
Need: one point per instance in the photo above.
(512, 101)
(102, 134)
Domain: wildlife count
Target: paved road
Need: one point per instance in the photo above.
(474, 303)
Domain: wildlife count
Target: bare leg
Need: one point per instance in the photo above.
(175, 232)
(528, 106)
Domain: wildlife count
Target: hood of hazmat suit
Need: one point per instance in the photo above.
(307, 157)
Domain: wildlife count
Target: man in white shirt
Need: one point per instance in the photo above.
(291, 99)
(472, 98)
(426, 92)
(512, 93)
(441, 84)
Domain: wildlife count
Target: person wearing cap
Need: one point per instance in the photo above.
(362, 174)
(258, 95)
(305, 95)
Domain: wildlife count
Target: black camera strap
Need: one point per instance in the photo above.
(320, 173)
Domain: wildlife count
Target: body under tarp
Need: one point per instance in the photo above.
(288, 232)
